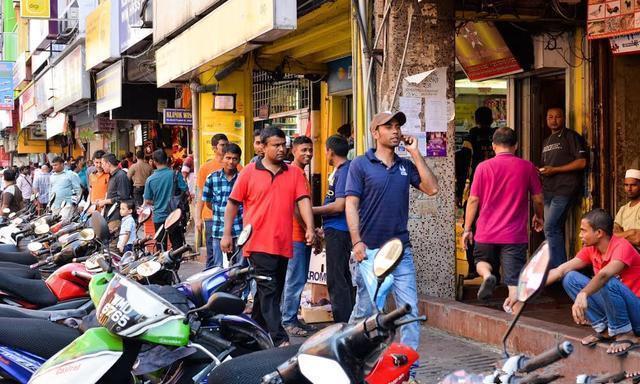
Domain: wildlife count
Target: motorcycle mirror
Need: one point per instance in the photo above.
(172, 218)
(158, 232)
(144, 213)
(34, 247)
(148, 268)
(387, 258)
(100, 227)
(532, 279)
(223, 303)
(87, 234)
(112, 209)
(41, 229)
(244, 236)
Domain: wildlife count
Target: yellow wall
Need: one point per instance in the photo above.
(237, 126)
(332, 110)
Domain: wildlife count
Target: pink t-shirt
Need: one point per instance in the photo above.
(618, 249)
(502, 185)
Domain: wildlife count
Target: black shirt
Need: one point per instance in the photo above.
(559, 149)
(481, 139)
(119, 189)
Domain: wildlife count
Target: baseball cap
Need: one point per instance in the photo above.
(383, 118)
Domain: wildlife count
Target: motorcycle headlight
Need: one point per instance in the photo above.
(322, 370)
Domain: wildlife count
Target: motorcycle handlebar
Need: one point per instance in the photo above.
(80, 259)
(549, 357)
(240, 271)
(386, 320)
(40, 263)
(103, 264)
(180, 251)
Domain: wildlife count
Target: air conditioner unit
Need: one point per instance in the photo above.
(551, 52)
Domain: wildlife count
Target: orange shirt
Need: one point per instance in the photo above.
(268, 202)
(98, 183)
(205, 170)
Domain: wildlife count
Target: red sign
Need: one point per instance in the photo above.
(606, 18)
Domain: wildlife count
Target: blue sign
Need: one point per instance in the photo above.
(6, 85)
(176, 116)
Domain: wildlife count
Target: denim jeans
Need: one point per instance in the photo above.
(297, 272)
(614, 307)
(555, 215)
(404, 292)
(214, 254)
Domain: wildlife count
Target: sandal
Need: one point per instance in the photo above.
(630, 346)
(297, 331)
(594, 339)
(486, 288)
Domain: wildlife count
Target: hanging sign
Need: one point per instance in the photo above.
(6, 85)
(612, 18)
(35, 9)
(173, 116)
(625, 45)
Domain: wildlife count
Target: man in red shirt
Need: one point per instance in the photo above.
(609, 301)
(268, 190)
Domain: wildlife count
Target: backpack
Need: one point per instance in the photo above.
(179, 199)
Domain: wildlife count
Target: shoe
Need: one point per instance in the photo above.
(296, 330)
(307, 327)
(486, 289)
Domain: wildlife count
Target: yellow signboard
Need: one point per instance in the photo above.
(99, 35)
(35, 9)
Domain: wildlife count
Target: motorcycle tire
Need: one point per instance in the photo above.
(249, 369)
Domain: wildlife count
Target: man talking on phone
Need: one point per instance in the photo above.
(377, 208)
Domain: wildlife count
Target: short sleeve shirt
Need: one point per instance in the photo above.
(216, 191)
(159, 188)
(560, 149)
(628, 217)
(128, 224)
(619, 249)
(336, 190)
(268, 201)
(384, 197)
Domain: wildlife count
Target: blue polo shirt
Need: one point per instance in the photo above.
(384, 197)
(337, 186)
(159, 189)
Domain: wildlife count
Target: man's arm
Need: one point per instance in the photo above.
(575, 165)
(229, 216)
(559, 272)
(538, 209)
(75, 184)
(304, 210)
(428, 181)
(338, 206)
(469, 218)
(352, 205)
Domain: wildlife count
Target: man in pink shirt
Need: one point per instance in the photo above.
(500, 199)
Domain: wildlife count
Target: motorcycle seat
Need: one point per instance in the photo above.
(20, 257)
(34, 291)
(20, 270)
(8, 248)
(29, 335)
(249, 368)
(42, 314)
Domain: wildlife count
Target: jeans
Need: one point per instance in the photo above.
(555, 214)
(138, 193)
(404, 292)
(208, 239)
(297, 272)
(214, 258)
(614, 307)
(266, 304)
(339, 282)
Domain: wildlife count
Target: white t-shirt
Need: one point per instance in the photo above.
(127, 225)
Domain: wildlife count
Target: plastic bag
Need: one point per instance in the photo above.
(365, 268)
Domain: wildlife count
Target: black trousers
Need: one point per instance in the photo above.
(137, 196)
(341, 293)
(266, 303)
(176, 235)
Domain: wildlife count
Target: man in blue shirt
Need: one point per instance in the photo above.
(215, 195)
(64, 183)
(336, 232)
(377, 207)
(158, 190)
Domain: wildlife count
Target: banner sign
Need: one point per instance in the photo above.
(625, 45)
(109, 88)
(174, 116)
(606, 18)
(71, 80)
(482, 52)
(103, 37)
(6, 85)
(130, 22)
(35, 9)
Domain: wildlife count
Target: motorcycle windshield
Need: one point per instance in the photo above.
(129, 309)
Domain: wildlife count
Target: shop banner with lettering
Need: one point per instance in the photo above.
(172, 116)
(482, 52)
(606, 18)
(35, 9)
(6, 85)
(625, 45)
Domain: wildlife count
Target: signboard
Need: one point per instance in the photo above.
(625, 45)
(28, 114)
(72, 81)
(35, 9)
(130, 22)
(483, 53)
(109, 88)
(102, 124)
(259, 20)
(56, 125)
(44, 92)
(21, 72)
(6, 85)
(177, 117)
(340, 75)
(102, 39)
(606, 18)
(165, 23)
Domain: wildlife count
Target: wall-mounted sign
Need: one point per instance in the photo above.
(103, 37)
(28, 113)
(172, 116)
(35, 9)
(224, 102)
(56, 125)
(625, 45)
(44, 92)
(21, 72)
(6, 85)
(71, 80)
(340, 75)
(130, 22)
(102, 124)
(109, 88)
(606, 18)
(165, 23)
(259, 20)
(482, 52)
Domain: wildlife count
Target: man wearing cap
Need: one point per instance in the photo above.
(377, 208)
(627, 221)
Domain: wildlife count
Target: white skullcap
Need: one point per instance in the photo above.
(632, 174)
(186, 169)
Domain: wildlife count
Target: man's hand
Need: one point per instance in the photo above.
(548, 171)
(467, 239)
(100, 203)
(537, 223)
(411, 144)
(360, 251)
(579, 309)
(317, 244)
(310, 236)
(226, 244)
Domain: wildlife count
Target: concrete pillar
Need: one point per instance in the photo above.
(419, 36)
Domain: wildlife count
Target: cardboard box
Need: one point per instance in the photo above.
(320, 314)
(318, 292)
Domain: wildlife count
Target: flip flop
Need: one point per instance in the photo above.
(624, 352)
(598, 338)
(486, 288)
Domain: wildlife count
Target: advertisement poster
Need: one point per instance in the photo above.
(482, 52)
(35, 9)
(625, 45)
(606, 18)
(6, 85)
(436, 144)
